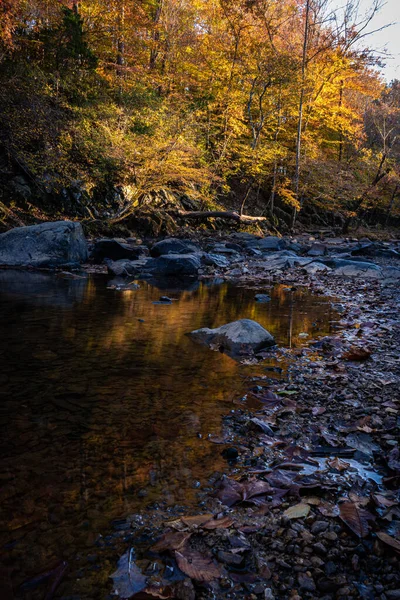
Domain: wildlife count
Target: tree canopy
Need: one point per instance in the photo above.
(270, 106)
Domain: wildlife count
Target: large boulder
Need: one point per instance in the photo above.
(115, 250)
(173, 246)
(239, 337)
(178, 265)
(57, 244)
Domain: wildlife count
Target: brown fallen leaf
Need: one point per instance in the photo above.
(381, 500)
(389, 540)
(172, 540)
(357, 353)
(196, 566)
(230, 492)
(298, 511)
(223, 523)
(356, 518)
(196, 520)
(339, 465)
(255, 488)
(313, 500)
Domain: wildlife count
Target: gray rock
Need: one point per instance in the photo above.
(317, 250)
(393, 594)
(216, 260)
(315, 267)
(173, 246)
(114, 249)
(306, 583)
(268, 243)
(178, 265)
(125, 268)
(57, 244)
(239, 337)
(262, 298)
(352, 268)
(319, 526)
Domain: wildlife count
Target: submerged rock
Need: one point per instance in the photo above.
(239, 337)
(263, 298)
(173, 246)
(57, 244)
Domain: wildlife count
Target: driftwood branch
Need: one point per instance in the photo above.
(221, 214)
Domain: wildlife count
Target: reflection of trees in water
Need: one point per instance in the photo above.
(99, 406)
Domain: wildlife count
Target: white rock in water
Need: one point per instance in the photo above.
(239, 337)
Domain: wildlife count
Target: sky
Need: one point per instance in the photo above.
(386, 40)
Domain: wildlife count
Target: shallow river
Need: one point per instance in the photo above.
(106, 404)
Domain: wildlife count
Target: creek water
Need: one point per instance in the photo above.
(106, 404)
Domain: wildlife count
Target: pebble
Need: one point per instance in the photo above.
(319, 548)
(319, 527)
(306, 582)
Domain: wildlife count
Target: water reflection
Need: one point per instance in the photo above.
(103, 397)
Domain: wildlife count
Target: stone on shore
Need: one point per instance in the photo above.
(239, 337)
(178, 265)
(173, 246)
(48, 245)
(115, 250)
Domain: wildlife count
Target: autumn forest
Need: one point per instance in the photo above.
(271, 108)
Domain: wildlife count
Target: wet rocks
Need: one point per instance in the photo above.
(178, 265)
(116, 250)
(125, 268)
(48, 245)
(239, 337)
(173, 246)
(351, 268)
(270, 243)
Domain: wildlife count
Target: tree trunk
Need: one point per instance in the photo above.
(221, 214)
(301, 104)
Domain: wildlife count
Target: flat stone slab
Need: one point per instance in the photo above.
(236, 338)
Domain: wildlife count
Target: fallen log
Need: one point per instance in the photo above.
(220, 214)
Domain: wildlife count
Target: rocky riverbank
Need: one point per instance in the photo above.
(308, 506)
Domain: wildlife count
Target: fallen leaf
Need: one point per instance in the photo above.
(389, 540)
(255, 488)
(356, 518)
(357, 353)
(230, 492)
(223, 523)
(339, 465)
(383, 501)
(298, 511)
(172, 540)
(313, 500)
(196, 566)
(362, 442)
(128, 578)
(196, 520)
